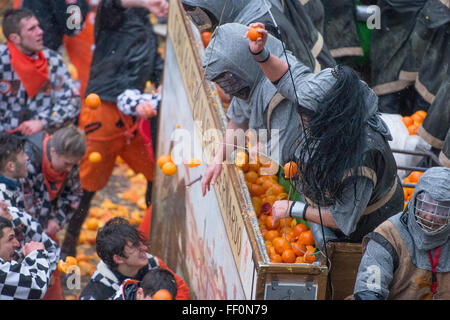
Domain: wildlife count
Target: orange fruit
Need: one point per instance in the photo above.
(280, 244)
(71, 261)
(241, 159)
(271, 234)
(162, 294)
(422, 114)
(299, 249)
(251, 176)
(412, 129)
(92, 223)
(288, 256)
(286, 222)
(306, 238)
(290, 169)
(256, 190)
(95, 157)
(270, 225)
(253, 33)
(310, 257)
(299, 229)
(194, 162)
(417, 119)
(206, 38)
(415, 176)
(82, 257)
(62, 266)
(163, 159)
(300, 259)
(271, 251)
(93, 101)
(276, 258)
(256, 201)
(407, 121)
(169, 169)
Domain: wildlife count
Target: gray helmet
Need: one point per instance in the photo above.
(431, 200)
(429, 208)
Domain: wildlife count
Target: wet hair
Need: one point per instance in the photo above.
(69, 141)
(12, 18)
(157, 279)
(4, 223)
(10, 146)
(113, 237)
(334, 137)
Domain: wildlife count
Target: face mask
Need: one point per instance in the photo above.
(431, 215)
(233, 85)
(199, 16)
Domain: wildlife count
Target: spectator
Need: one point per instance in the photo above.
(52, 189)
(123, 255)
(408, 254)
(56, 18)
(13, 166)
(125, 57)
(26, 276)
(36, 90)
(154, 280)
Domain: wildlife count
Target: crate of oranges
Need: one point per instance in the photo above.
(287, 240)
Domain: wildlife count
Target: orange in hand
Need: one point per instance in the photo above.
(162, 294)
(290, 169)
(253, 33)
(95, 157)
(93, 101)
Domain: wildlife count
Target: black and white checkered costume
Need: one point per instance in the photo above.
(128, 100)
(55, 104)
(11, 192)
(28, 277)
(36, 196)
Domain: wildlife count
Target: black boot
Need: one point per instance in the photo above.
(69, 246)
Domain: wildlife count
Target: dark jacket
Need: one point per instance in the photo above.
(54, 19)
(126, 54)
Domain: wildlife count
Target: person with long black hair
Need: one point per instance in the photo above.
(347, 173)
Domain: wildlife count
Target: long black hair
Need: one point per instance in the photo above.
(333, 139)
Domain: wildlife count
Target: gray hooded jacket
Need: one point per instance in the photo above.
(229, 52)
(435, 181)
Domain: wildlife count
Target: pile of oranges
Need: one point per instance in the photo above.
(414, 121)
(286, 240)
(166, 164)
(411, 179)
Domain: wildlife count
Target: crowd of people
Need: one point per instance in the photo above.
(295, 77)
